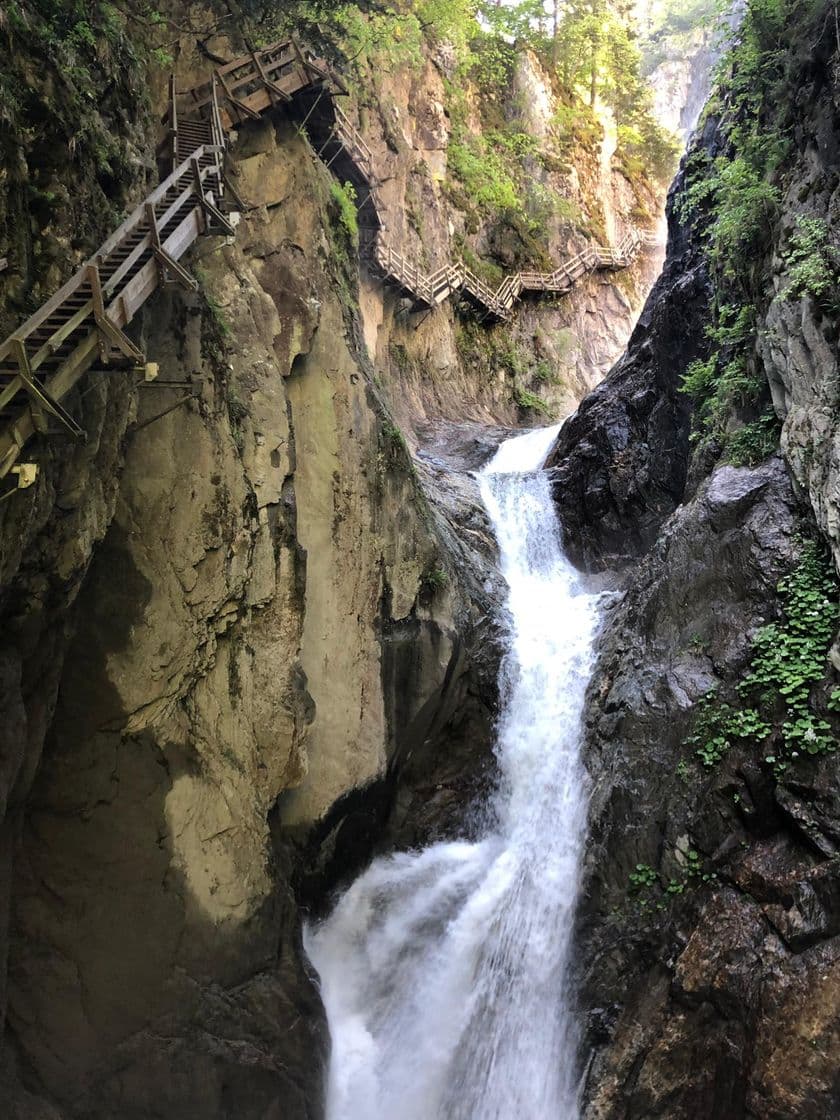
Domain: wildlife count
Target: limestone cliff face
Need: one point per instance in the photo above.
(620, 464)
(274, 613)
(577, 337)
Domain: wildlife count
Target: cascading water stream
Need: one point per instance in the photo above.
(444, 972)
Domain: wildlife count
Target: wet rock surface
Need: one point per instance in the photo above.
(620, 464)
(718, 997)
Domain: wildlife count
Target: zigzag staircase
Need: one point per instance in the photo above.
(84, 323)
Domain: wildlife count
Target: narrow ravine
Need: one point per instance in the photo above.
(445, 972)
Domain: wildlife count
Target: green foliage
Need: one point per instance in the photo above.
(642, 877)
(85, 61)
(434, 579)
(729, 382)
(752, 443)
(788, 660)
(733, 200)
(643, 880)
(789, 656)
(717, 726)
(645, 146)
(484, 174)
(813, 264)
(745, 205)
(344, 202)
(215, 310)
(543, 373)
(529, 401)
(450, 21)
(395, 444)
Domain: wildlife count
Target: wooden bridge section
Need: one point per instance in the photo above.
(83, 324)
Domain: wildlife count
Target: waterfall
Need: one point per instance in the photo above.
(444, 972)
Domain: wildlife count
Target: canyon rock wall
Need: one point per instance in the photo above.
(709, 920)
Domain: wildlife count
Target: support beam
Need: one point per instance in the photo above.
(210, 212)
(35, 404)
(274, 91)
(166, 263)
(237, 197)
(41, 401)
(240, 108)
(109, 333)
(173, 120)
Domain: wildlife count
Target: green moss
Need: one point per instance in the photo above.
(344, 200)
(813, 264)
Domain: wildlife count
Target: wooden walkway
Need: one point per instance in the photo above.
(344, 151)
(83, 324)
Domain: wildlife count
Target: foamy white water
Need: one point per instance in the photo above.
(445, 972)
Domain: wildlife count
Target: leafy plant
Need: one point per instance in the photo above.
(343, 198)
(788, 659)
(752, 443)
(525, 399)
(642, 877)
(434, 579)
(813, 264)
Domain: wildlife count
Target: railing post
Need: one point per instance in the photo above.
(173, 119)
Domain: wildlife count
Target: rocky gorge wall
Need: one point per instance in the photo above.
(709, 924)
(236, 631)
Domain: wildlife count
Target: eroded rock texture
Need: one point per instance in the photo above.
(699, 998)
(716, 996)
(229, 626)
(620, 464)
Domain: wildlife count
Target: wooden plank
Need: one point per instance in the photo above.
(239, 106)
(41, 401)
(109, 332)
(10, 391)
(98, 307)
(63, 332)
(183, 236)
(171, 210)
(215, 115)
(43, 313)
(15, 435)
(137, 216)
(125, 306)
(151, 220)
(267, 82)
(209, 211)
(114, 282)
(170, 265)
(69, 372)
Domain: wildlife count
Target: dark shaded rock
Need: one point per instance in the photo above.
(620, 464)
(705, 977)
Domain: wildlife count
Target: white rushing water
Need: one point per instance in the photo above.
(444, 972)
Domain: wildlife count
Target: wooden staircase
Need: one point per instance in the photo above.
(84, 323)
